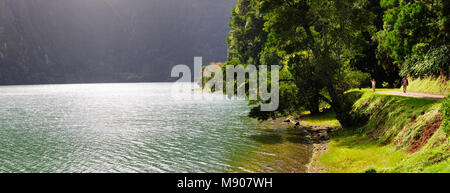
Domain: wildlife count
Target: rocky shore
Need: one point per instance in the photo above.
(318, 136)
(318, 150)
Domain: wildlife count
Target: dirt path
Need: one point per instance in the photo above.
(415, 95)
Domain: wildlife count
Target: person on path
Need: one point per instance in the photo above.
(404, 84)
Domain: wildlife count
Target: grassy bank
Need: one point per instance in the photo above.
(429, 85)
(401, 135)
(325, 119)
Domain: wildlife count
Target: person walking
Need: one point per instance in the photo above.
(404, 84)
(374, 83)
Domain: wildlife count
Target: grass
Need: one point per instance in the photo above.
(433, 158)
(370, 90)
(390, 115)
(393, 138)
(429, 85)
(328, 119)
(426, 85)
(349, 152)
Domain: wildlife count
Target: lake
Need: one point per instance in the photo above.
(139, 127)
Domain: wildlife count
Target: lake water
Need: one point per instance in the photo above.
(138, 128)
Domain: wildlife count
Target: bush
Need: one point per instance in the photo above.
(426, 61)
(349, 118)
(371, 171)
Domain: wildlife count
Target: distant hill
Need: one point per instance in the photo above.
(49, 41)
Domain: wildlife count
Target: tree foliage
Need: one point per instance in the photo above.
(414, 34)
(318, 38)
(329, 46)
(247, 38)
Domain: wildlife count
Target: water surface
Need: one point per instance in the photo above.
(138, 128)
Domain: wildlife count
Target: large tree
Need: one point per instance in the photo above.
(377, 64)
(247, 38)
(319, 38)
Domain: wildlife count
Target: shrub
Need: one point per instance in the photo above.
(371, 170)
(426, 61)
(350, 118)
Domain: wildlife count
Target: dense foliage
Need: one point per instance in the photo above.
(329, 46)
(415, 35)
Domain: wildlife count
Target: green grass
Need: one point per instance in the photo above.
(323, 119)
(350, 152)
(370, 90)
(390, 114)
(384, 143)
(432, 158)
(429, 85)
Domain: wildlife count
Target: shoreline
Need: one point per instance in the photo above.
(401, 135)
(319, 135)
(314, 166)
(283, 148)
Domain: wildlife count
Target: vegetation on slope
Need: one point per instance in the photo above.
(328, 47)
(401, 135)
(429, 85)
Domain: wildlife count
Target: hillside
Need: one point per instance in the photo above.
(401, 134)
(107, 41)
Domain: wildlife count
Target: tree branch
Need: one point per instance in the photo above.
(325, 99)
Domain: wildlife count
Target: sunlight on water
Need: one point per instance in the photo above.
(137, 128)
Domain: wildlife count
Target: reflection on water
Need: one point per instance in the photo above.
(138, 128)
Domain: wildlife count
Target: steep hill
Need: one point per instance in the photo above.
(45, 41)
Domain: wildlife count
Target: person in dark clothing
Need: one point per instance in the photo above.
(404, 84)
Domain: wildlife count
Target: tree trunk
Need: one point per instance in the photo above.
(443, 76)
(338, 104)
(314, 105)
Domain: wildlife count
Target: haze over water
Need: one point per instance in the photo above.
(138, 128)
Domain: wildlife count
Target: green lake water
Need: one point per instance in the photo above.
(139, 128)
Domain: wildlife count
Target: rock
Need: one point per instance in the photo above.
(319, 134)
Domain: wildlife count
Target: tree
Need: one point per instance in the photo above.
(318, 38)
(370, 60)
(247, 38)
(415, 36)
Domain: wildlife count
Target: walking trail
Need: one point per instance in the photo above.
(415, 95)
